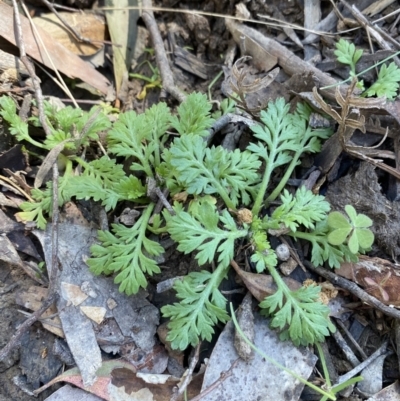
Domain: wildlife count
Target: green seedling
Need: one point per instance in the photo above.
(347, 54)
(153, 82)
(353, 230)
(387, 83)
(220, 185)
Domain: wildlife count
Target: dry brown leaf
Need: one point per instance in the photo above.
(88, 25)
(64, 60)
(261, 285)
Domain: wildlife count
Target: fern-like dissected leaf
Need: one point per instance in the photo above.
(304, 208)
(202, 170)
(193, 116)
(387, 83)
(278, 135)
(128, 188)
(104, 169)
(18, 128)
(201, 307)
(128, 252)
(139, 136)
(346, 53)
(43, 204)
(201, 233)
(73, 124)
(299, 315)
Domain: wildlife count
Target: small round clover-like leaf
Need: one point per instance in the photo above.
(351, 212)
(338, 220)
(353, 243)
(339, 236)
(365, 238)
(363, 221)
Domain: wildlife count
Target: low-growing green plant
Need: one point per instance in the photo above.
(387, 83)
(355, 232)
(222, 185)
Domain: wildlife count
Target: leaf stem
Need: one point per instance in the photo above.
(265, 182)
(278, 189)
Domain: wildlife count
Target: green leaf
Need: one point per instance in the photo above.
(387, 83)
(128, 252)
(141, 137)
(338, 220)
(18, 128)
(322, 250)
(365, 238)
(200, 233)
(278, 134)
(346, 53)
(43, 202)
(304, 208)
(194, 116)
(339, 236)
(201, 170)
(264, 256)
(351, 231)
(104, 180)
(299, 315)
(351, 212)
(201, 307)
(353, 243)
(362, 220)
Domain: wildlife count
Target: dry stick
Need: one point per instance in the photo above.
(380, 351)
(223, 376)
(348, 352)
(355, 290)
(352, 339)
(189, 375)
(71, 29)
(290, 63)
(161, 57)
(52, 295)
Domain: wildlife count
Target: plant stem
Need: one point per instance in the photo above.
(278, 189)
(265, 182)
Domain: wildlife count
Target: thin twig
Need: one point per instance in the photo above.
(355, 290)
(348, 352)
(380, 351)
(161, 56)
(223, 377)
(189, 375)
(70, 28)
(352, 339)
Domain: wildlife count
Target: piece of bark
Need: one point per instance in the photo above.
(189, 62)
